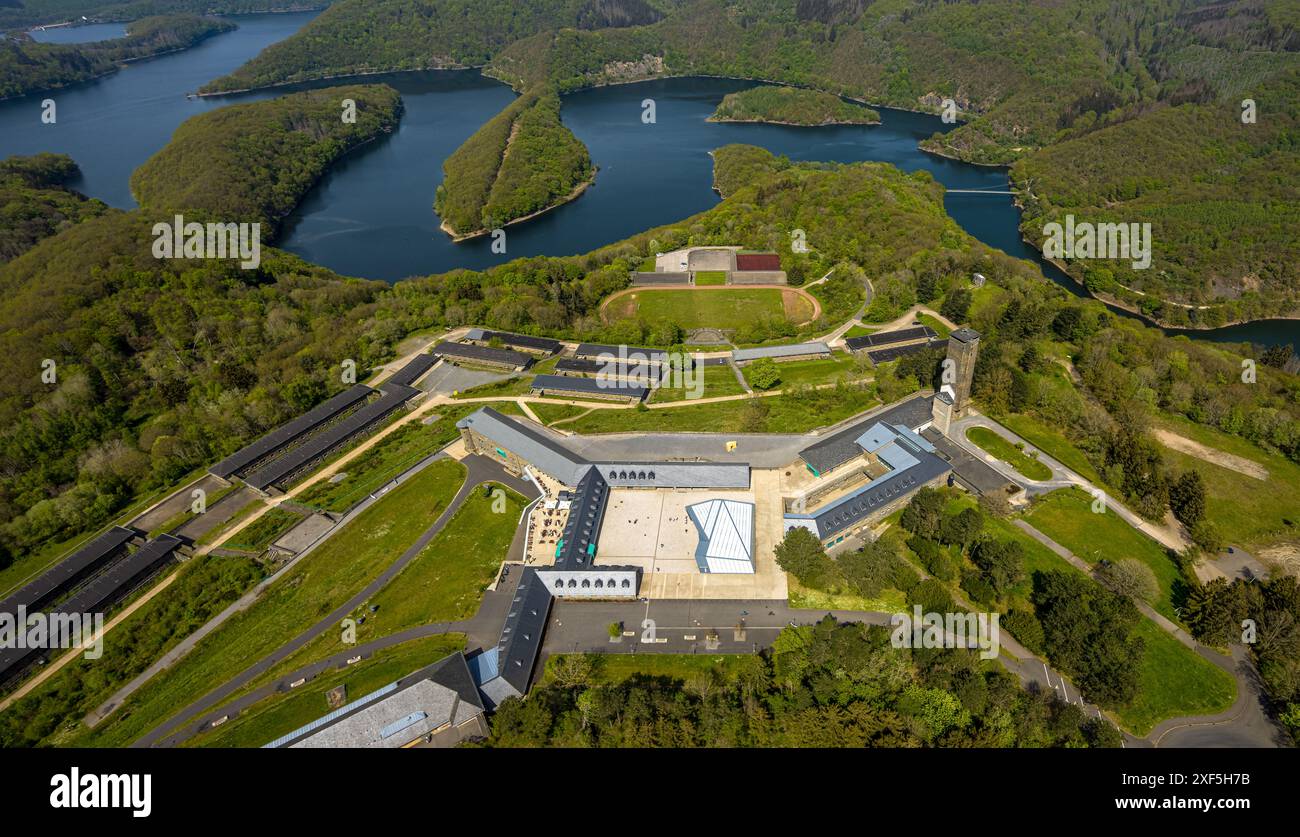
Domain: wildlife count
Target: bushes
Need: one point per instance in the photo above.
(1026, 628)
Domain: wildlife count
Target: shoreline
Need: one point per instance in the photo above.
(457, 238)
(484, 69)
(1124, 305)
(830, 124)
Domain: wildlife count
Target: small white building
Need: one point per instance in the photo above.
(726, 530)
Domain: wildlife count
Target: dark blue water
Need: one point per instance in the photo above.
(112, 125)
(372, 215)
(79, 34)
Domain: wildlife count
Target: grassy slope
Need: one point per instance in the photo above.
(335, 571)
(1066, 517)
(284, 712)
(994, 444)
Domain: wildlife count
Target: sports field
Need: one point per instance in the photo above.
(715, 307)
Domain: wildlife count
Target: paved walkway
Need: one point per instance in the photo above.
(1247, 723)
(1062, 477)
(481, 470)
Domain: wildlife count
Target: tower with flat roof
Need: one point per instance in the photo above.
(959, 369)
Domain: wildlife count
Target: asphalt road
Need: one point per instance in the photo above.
(481, 470)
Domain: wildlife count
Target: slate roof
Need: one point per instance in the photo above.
(795, 350)
(886, 338)
(675, 474)
(290, 431)
(533, 446)
(590, 386)
(486, 354)
(413, 371)
(842, 446)
(525, 341)
(398, 713)
(632, 353)
(60, 578)
(521, 638)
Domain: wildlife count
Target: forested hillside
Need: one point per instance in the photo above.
(823, 685)
(359, 35)
(27, 66)
(792, 106)
(1025, 79)
(1222, 198)
(522, 161)
(253, 163)
(27, 13)
(34, 203)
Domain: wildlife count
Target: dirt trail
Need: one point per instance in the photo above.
(1215, 457)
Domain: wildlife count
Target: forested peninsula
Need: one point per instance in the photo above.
(792, 106)
(1092, 88)
(27, 66)
(524, 161)
(253, 163)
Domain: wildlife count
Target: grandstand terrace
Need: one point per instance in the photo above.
(281, 470)
(468, 353)
(521, 342)
(286, 434)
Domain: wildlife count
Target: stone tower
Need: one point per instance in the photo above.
(963, 348)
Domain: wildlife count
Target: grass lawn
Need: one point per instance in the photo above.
(391, 456)
(934, 323)
(860, 331)
(890, 601)
(325, 579)
(721, 308)
(52, 712)
(994, 444)
(615, 668)
(285, 712)
(1066, 517)
(717, 381)
(1051, 442)
(815, 372)
(445, 582)
(259, 534)
(551, 413)
(784, 414)
(710, 277)
(1246, 510)
(1174, 681)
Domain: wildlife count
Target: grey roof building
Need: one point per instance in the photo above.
(595, 387)
(533, 446)
(439, 703)
(629, 353)
(483, 354)
(527, 342)
(842, 446)
(779, 352)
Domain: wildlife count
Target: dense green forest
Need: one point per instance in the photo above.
(792, 106)
(1100, 92)
(823, 685)
(254, 162)
(28, 13)
(361, 35)
(166, 366)
(27, 66)
(1222, 198)
(524, 160)
(35, 204)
